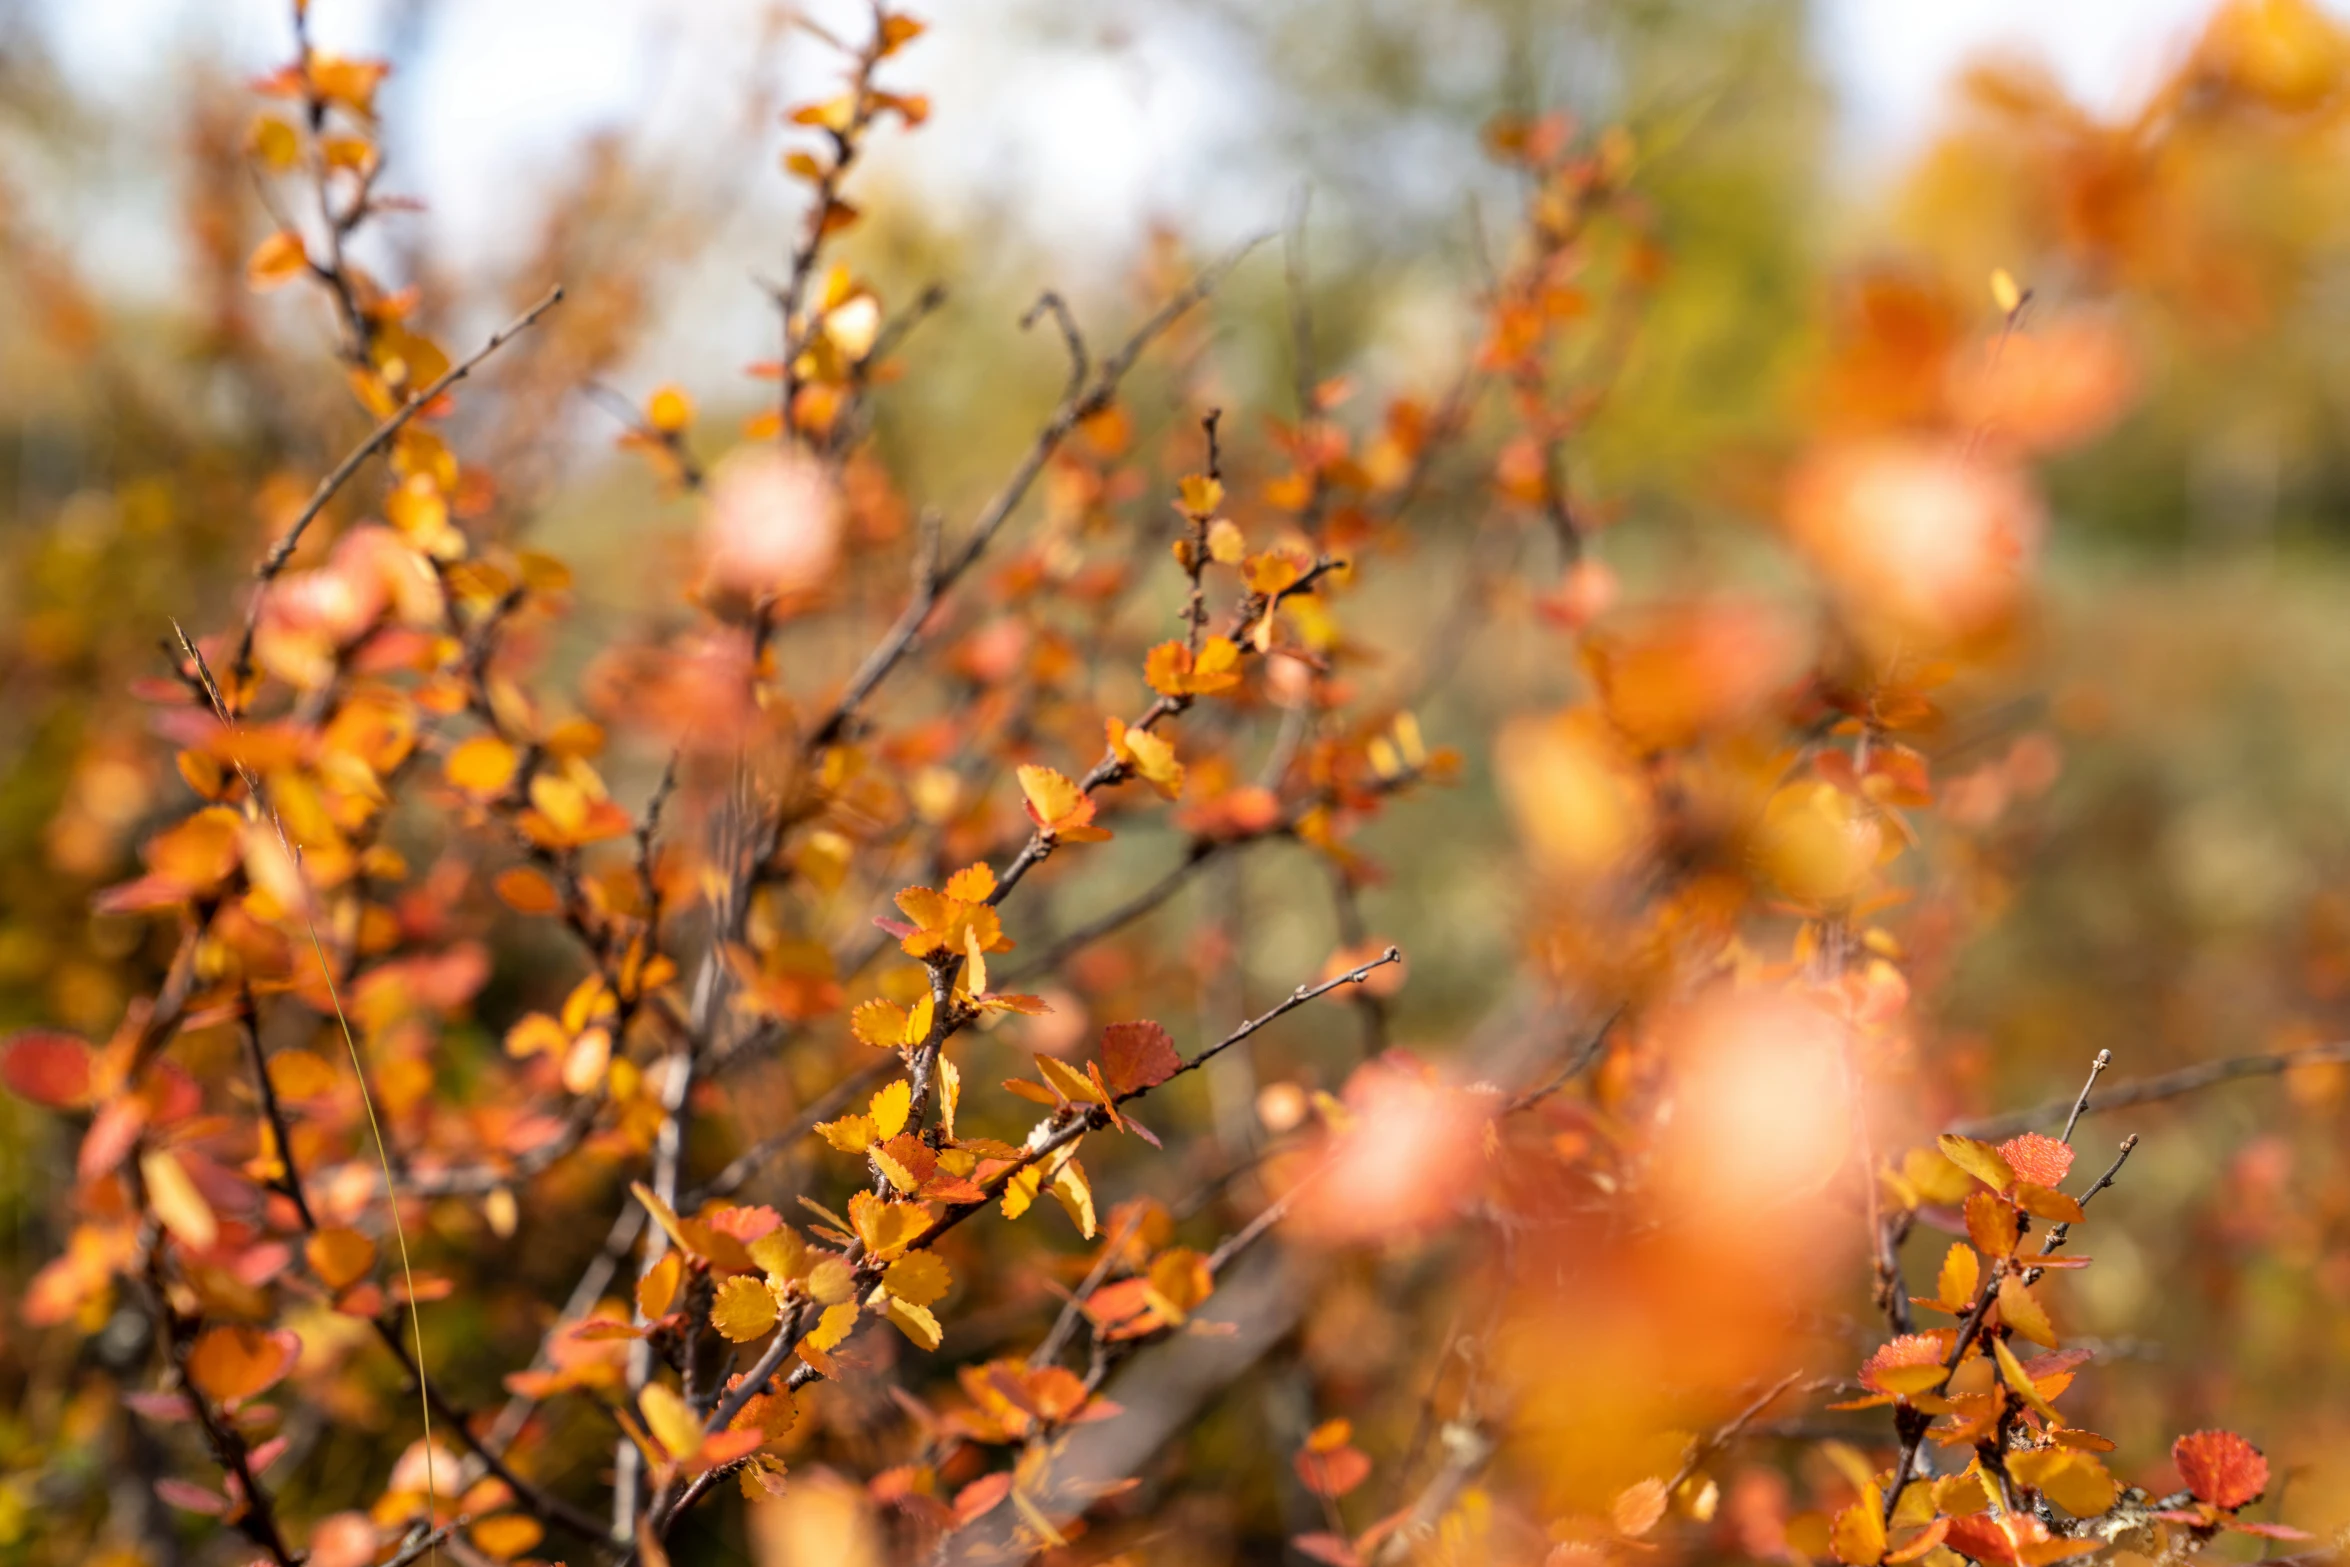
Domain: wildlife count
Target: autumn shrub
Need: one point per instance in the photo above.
(730, 1089)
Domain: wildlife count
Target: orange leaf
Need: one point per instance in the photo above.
(232, 1362)
(1909, 1364)
(525, 891)
(1138, 1056)
(1991, 1224)
(2037, 1158)
(2220, 1467)
(1639, 1507)
(276, 260)
(340, 1257)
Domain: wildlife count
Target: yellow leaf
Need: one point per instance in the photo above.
(744, 1309)
(887, 1228)
(974, 963)
(483, 766)
(780, 1253)
(2011, 1371)
(1052, 797)
(2021, 1310)
(1978, 1159)
(950, 1094)
(506, 1536)
(833, 1328)
(1858, 1538)
(657, 1290)
(915, 1322)
(2073, 1480)
(849, 1134)
(894, 1169)
(881, 1024)
(536, 1034)
(176, 1200)
(1962, 1275)
(1067, 1081)
(1020, 1191)
(1179, 1281)
(665, 1216)
(2004, 292)
(1076, 1195)
(890, 1108)
(672, 1421)
(920, 1277)
(1201, 496)
(275, 143)
(830, 1281)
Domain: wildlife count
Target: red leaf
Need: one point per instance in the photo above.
(2220, 1467)
(49, 1068)
(2038, 1158)
(1138, 1055)
(1333, 1473)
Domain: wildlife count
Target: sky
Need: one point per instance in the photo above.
(516, 82)
(511, 88)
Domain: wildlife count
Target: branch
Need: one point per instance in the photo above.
(1084, 400)
(274, 562)
(1091, 1118)
(2152, 1090)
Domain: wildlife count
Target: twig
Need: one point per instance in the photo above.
(275, 561)
(1091, 1118)
(1086, 401)
(2151, 1090)
(1575, 1067)
(2096, 1069)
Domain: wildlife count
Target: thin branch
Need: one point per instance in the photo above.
(1575, 1067)
(2152, 1090)
(2096, 1070)
(1065, 946)
(1084, 402)
(1051, 303)
(275, 561)
(1079, 1123)
(830, 1103)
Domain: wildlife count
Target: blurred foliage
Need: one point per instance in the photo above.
(2137, 832)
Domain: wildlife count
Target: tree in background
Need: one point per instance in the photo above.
(1367, 972)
